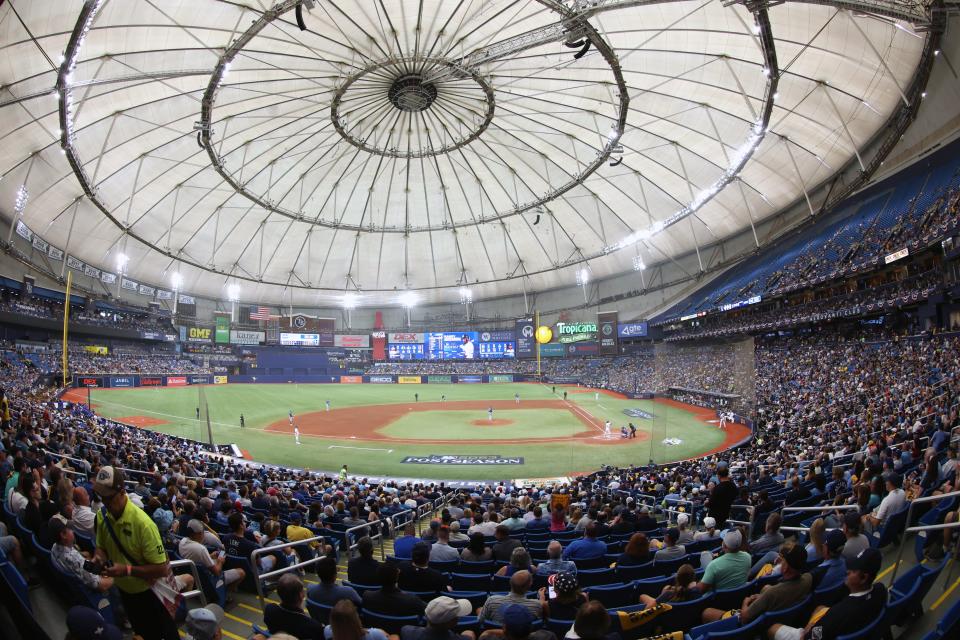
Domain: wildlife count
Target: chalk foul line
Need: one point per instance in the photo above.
(337, 446)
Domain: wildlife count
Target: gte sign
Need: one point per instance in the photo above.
(576, 331)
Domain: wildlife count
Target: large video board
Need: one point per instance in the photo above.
(452, 346)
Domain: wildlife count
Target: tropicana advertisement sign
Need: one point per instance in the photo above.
(576, 331)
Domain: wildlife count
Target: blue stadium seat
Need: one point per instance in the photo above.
(470, 582)
(614, 595)
(318, 611)
(390, 624)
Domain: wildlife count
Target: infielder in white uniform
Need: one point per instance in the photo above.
(723, 420)
(296, 433)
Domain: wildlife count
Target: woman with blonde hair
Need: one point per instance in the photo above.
(345, 625)
(818, 531)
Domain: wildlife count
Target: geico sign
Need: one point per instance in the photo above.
(199, 333)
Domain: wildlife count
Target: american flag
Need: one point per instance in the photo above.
(259, 313)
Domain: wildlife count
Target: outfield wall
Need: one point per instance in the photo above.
(124, 381)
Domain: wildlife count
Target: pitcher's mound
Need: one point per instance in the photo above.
(496, 422)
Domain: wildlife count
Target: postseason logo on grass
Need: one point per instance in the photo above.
(456, 459)
(638, 413)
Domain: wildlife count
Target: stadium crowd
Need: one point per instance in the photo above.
(35, 307)
(838, 422)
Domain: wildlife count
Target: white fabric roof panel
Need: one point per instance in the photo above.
(396, 207)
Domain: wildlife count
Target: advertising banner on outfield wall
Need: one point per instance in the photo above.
(439, 379)
(176, 381)
(553, 350)
(247, 337)
(219, 379)
(151, 381)
(89, 381)
(351, 379)
(122, 381)
(408, 380)
(381, 379)
(407, 338)
(200, 379)
(352, 341)
(470, 379)
(499, 377)
(524, 330)
(607, 333)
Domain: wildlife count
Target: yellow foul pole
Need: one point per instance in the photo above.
(536, 325)
(66, 322)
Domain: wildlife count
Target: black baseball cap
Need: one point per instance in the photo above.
(868, 561)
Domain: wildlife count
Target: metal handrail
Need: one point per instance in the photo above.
(198, 590)
(258, 577)
(909, 529)
(377, 536)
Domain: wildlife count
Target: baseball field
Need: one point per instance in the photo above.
(439, 431)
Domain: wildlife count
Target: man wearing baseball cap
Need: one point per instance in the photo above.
(833, 570)
(793, 587)
(204, 623)
(442, 615)
(862, 606)
(891, 503)
(130, 549)
(730, 569)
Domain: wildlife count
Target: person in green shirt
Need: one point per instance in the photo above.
(343, 473)
(137, 561)
(728, 570)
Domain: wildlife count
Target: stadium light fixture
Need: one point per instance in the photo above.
(466, 295)
(583, 277)
(176, 280)
(408, 299)
(349, 300)
(233, 292)
(122, 261)
(638, 263)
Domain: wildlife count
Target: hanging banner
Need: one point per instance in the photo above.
(352, 341)
(39, 244)
(144, 290)
(524, 331)
(405, 338)
(75, 264)
(129, 285)
(247, 337)
(54, 254)
(607, 332)
(164, 295)
(185, 299)
(632, 330)
(91, 271)
(378, 340)
(222, 335)
(24, 231)
(107, 278)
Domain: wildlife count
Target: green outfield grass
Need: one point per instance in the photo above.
(263, 404)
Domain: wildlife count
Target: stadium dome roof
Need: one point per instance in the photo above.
(428, 145)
